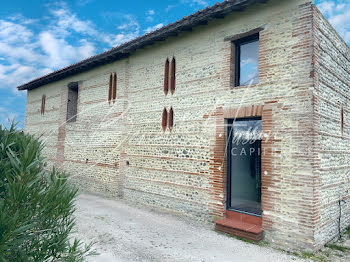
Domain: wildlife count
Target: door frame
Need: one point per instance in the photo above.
(228, 164)
(217, 162)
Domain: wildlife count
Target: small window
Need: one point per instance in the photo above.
(72, 103)
(171, 119)
(172, 75)
(114, 89)
(43, 101)
(166, 77)
(164, 119)
(110, 88)
(246, 60)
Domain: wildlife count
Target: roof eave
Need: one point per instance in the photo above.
(219, 10)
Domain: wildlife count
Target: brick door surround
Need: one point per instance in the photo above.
(218, 170)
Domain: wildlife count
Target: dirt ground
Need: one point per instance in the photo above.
(123, 232)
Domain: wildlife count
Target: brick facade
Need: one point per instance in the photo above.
(332, 137)
(120, 149)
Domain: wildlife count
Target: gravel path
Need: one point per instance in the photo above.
(123, 232)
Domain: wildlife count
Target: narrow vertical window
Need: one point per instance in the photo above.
(246, 60)
(342, 120)
(164, 119)
(166, 77)
(172, 75)
(171, 119)
(72, 103)
(43, 101)
(110, 88)
(114, 89)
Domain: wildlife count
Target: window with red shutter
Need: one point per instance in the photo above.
(172, 76)
(171, 119)
(114, 90)
(43, 101)
(164, 119)
(166, 77)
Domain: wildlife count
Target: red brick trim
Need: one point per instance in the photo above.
(218, 157)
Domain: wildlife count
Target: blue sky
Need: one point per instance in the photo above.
(37, 36)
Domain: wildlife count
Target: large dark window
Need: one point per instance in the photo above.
(246, 60)
(244, 165)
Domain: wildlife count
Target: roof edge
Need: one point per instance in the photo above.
(218, 10)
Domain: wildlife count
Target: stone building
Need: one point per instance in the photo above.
(155, 121)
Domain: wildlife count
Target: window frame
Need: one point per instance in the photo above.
(229, 132)
(110, 88)
(166, 76)
(165, 116)
(43, 102)
(237, 46)
(171, 119)
(172, 75)
(74, 87)
(114, 87)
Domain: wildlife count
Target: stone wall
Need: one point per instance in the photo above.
(332, 147)
(121, 150)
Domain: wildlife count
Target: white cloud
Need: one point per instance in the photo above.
(11, 32)
(67, 22)
(152, 28)
(150, 15)
(338, 14)
(150, 12)
(129, 30)
(326, 7)
(169, 7)
(7, 116)
(31, 48)
(59, 53)
(201, 3)
(17, 74)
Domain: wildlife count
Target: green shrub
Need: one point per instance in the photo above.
(36, 206)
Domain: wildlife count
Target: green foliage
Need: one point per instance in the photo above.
(306, 254)
(36, 206)
(338, 247)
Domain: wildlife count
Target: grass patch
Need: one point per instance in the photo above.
(314, 257)
(339, 248)
(245, 240)
(305, 254)
(263, 243)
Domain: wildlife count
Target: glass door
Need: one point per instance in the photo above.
(244, 165)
